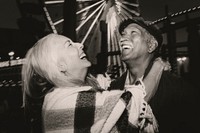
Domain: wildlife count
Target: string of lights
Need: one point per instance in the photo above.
(196, 8)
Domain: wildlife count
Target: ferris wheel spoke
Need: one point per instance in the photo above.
(84, 0)
(78, 28)
(50, 20)
(121, 6)
(125, 13)
(54, 2)
(130, 4)
(92, 25)
(58, 22)
(88, 7)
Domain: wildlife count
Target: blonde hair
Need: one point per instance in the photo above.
(41, 61)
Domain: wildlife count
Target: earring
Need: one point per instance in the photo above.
(63, 72)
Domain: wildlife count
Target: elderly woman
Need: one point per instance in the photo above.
(75, 102)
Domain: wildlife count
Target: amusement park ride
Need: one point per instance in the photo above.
(94, 24)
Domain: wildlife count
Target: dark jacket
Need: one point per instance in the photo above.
(174, 104)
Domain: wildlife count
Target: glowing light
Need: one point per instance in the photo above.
(11, 53)
(184, 58)
(181, 59)
(173, 23)
(18, 58)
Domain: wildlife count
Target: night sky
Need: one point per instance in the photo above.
(9, 13)
(150, 9)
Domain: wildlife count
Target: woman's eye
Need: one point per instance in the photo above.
(69, 43)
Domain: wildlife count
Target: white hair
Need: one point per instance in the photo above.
(42, 60)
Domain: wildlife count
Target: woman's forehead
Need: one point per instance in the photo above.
(59, 39)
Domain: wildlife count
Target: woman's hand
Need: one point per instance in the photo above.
(166, 64)
(104, 80)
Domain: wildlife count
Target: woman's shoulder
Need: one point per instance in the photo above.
(59, 98)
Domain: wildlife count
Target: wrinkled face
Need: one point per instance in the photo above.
(132, 42)
(72, 57)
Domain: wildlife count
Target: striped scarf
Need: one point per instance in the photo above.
(80, 110)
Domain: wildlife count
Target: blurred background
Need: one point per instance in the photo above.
(90, 22)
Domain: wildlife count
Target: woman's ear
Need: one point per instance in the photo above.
(153, 44)
(62, 66)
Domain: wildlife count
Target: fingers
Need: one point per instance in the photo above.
(148, 128)
(104, 80)
(166, 65)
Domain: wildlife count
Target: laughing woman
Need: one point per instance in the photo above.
(75, 102)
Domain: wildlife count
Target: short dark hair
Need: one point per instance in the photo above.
(152, 29)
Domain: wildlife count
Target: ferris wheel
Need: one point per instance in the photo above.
(88, 18)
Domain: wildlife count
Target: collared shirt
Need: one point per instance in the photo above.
(127, 82)
(138, 84)
(144, 110)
